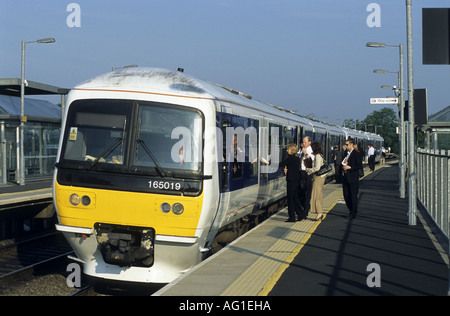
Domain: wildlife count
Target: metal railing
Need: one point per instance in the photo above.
(433, 185)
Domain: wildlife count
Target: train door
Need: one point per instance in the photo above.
(222, 122)
(263, 178)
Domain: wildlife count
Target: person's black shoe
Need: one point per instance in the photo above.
(289, 220)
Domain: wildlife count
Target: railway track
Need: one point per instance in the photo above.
(37, 267)
(34, 266)
(26, 254)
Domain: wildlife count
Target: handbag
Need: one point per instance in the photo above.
(324, 169)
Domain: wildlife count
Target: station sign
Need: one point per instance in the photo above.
(383, 100)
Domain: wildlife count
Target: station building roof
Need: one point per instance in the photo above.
(441, 116)
(439, 120)
(35, 110)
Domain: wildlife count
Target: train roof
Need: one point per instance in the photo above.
(168, 82)
(164, 81)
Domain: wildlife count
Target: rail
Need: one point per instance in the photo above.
(433, 185)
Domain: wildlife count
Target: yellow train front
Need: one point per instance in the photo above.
(130, 184)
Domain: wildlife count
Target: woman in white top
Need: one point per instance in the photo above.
(318, 181)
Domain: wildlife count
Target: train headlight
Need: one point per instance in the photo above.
(177, 209)
(85, 200)
(165, 207)
(75, 199)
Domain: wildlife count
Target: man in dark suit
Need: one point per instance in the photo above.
(351, 166)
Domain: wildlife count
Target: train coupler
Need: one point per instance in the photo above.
(126, 245)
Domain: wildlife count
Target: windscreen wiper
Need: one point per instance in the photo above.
(106, 152)
(111, 147)
(158, 168)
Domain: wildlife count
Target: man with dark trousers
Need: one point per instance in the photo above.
(351, 166)
(292, 171)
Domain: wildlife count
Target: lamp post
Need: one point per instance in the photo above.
(23, 118)
(401, 102)
(411, 121)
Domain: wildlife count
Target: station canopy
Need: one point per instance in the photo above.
(11, 87)
(35, 110)
(441, 116)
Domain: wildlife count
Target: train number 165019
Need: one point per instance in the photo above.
(164, 185)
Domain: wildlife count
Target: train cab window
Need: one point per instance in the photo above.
(96, 136)
(127, 136)
(168, 138)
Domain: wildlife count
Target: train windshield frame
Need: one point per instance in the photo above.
(135, 137)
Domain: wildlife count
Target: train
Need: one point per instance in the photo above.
(155, 167)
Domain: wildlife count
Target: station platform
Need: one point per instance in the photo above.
(31, 192)
(375, 254)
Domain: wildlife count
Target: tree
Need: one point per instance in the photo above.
(384, 122)
(351, 123)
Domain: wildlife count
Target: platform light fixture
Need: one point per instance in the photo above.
(45, 40)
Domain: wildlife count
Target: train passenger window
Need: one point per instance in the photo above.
(308, 133)
(277, 145)
(245, 147)
(240, 151)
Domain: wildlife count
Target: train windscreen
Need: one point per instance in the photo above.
(136, 137)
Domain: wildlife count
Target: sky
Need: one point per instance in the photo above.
(306, 56)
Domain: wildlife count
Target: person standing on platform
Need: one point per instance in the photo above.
(292, 171)
(351, 165)
(306, 159)
(371, 158)
(382, 155)
(317, 181)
